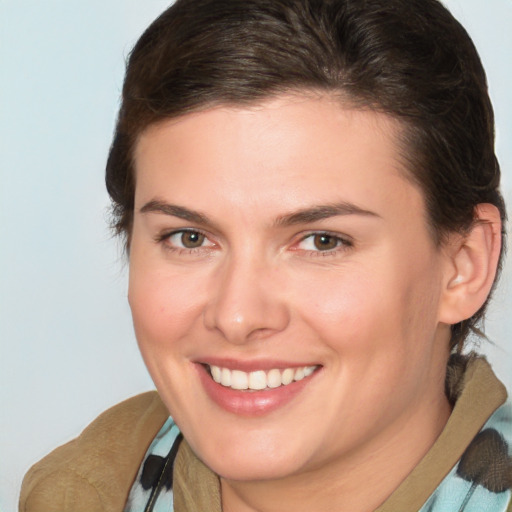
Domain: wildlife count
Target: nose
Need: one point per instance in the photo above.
(247, 302)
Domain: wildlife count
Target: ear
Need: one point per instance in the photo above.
(472, 262)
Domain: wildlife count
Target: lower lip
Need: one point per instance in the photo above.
(250, 403)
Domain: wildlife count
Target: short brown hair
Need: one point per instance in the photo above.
(408, 58)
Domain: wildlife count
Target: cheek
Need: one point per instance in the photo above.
(164, 306)
(164, 310)
(342, 302)
(368, 309)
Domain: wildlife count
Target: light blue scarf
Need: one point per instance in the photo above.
(481, 481)
(152, 489)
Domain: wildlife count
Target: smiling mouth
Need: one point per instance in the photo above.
(258, 380)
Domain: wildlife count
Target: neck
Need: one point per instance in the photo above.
(356, 482)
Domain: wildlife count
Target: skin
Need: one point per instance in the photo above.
(368, 312)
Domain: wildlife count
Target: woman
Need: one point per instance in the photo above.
(310, 200)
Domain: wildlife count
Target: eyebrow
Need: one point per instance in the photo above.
(174, 210)
(303, 216)
(316, 213)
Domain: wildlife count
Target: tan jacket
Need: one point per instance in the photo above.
(94, 473)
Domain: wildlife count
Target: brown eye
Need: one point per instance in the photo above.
(325, 242)
(192, 239)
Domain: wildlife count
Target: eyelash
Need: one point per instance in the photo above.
(164, 240)
(342, 243)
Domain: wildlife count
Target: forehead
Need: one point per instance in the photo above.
(286, 150)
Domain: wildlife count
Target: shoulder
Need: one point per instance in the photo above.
(94, 472)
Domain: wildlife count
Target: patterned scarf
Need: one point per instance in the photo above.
(152, 489)
(481, 481)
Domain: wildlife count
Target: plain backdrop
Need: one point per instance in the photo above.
(67, 351)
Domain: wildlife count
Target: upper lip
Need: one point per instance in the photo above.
(254, 365)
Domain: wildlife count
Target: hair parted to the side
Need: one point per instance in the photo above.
(408, 58)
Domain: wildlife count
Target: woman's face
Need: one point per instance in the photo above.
(283, 242)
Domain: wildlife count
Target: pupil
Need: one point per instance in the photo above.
(192, 239)
(325, 242)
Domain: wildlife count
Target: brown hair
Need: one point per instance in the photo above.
(408, 58)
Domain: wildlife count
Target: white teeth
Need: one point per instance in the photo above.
(239, 379)
(225, 377)
(258, 380)
(309, 370)
(274, 378)
(216, 373)
(287, 376)
(299, 374)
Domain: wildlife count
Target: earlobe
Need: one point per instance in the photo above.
(472, 269)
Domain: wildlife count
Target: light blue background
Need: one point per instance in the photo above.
(67, 350)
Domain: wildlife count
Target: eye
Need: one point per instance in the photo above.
(322, 242)
(188, 239)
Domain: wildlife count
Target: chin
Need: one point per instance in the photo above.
(242, 470)
(243, 462)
